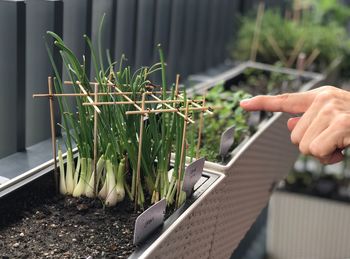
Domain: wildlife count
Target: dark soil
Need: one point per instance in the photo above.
(39, 224)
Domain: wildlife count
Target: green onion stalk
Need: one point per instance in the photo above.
(118, 133)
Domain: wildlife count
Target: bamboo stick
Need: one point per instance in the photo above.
(182, 154)
(127, 98)
(200, 126)
(277, 49)
(295, 52)
(88, 97)
(297, 10)
(139, 151)
(92, 94)
(301, 62)
(255, 43)
(53, 134)
(315, 53)
(95, 141)
(197, 105)
(147, 111)
(177, 85)
(138, 102)
(149, 86)
(170, 107)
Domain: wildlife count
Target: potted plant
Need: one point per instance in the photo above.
(256, 163)
(118, 142)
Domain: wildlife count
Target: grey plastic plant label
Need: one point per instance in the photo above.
(254, 118)
(193, 173)
(3, 179)
(226, 141)
(149, 221)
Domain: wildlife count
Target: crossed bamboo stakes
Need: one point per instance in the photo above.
(190, 106)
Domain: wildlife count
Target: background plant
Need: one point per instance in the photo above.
(330, 38)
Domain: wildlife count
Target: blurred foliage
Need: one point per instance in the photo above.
(316, 29)
(261, 81)
(325, 11)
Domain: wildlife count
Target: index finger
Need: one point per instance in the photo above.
(291, 103)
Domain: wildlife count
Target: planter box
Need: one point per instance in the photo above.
(256, 166)
(301, 226)
(178, 237)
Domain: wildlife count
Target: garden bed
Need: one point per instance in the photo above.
(227, 89)
(254, 167)
(36, 222)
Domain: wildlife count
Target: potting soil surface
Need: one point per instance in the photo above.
(64, 227)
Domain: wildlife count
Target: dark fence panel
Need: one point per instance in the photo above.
(230, 28)
(213, 30)
(41, 16)
(176, 38)
(99, 9)
(187, 57)
(125, 30)
(161, 31)
(12, 76)
(144, 33)
(202, 24)
(76, 23)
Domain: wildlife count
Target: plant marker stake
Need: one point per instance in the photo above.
(255, 44)
(301, 62)
(140, 151)
(227, 140)
(53, 134)
(95, 141)
(182, 155)
(200, 126)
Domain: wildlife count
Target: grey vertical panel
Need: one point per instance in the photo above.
(231, 24)
(144, 33)
(41, 16)
(202, 24)
(76, 23)
(212, 33)
(187, 57)
(99, 8)
(176, 38)
(249, 6)
(220, 53)
(161, 31)
(12, 76)
(125, 30)
(162, 26)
